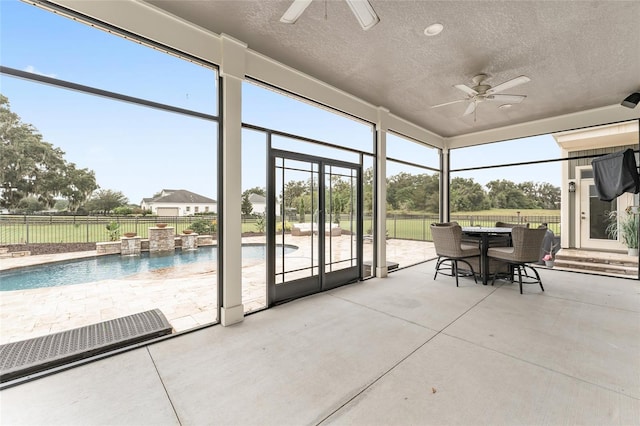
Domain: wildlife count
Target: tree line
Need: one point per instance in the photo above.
(417, 193)
(407, 192)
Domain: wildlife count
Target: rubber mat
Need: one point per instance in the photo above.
(18, 359)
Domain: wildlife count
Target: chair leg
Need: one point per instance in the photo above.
(519, 277)
(437, 267)
(537, 277)
(455, 270)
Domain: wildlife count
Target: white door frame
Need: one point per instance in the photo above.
(582, 216)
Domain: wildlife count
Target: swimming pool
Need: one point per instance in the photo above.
(114, 267)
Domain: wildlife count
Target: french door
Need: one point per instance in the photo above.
(594, 217)
(314, 224)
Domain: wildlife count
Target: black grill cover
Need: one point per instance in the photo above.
(614, 174)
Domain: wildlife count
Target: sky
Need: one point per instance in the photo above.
(139, 150)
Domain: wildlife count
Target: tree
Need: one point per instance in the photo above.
(246, 207)
(61, 205)
(255, 190)
(105, 200)
(406, 191)
(294, 190)
(468, 195)
(367, 188)
(505, 194)
(29, 166)
(30, 205)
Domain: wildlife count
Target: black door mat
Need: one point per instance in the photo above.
(18, 359)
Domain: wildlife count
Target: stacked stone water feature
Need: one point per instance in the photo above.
(130, 246)
(161, 239)
(189, 241)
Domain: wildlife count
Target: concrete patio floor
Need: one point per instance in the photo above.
(187, 294)
(403, 350)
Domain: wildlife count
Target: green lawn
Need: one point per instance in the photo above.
(69, 229)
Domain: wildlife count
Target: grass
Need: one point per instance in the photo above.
(80, 229)
(412, 226)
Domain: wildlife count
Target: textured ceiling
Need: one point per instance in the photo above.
(579, 54)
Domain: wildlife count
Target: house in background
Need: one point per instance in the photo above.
(178, 202)
(258, 202)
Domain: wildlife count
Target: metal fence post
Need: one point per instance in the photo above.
(395, 226)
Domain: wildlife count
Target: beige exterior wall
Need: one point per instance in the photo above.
(595, 141)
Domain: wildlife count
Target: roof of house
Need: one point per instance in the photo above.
(183, 196)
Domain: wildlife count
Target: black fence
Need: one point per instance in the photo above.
(27, 229)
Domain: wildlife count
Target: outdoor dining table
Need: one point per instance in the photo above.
(485, 235)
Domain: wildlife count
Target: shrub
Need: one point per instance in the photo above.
(287, 227)
(261, 222)
(122, 211)
(113, 229)
(204, 226)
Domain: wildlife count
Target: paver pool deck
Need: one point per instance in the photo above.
(187, 294)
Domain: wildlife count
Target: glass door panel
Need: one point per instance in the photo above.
(314, 229)
(594, 218)
(341, 226)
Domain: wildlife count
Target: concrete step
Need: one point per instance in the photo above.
(597, 262)
(4, 250)
(599, 258)
(605, 268)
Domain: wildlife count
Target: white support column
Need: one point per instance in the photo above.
(232, 72)
(381, 192)
(565, 205)
(445, 186)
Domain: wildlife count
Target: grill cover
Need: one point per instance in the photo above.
(614, 174)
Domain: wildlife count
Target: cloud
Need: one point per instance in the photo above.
(32, 69)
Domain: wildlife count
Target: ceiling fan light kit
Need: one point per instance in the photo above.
(362, 9)
(481, 92)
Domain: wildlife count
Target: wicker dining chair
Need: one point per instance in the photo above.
(525, 250)
(447, 239)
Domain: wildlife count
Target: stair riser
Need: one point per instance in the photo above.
(630, 270)
(593, 261)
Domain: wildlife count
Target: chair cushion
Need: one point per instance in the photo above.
(466, 251)
(464, 246)
(505, 253)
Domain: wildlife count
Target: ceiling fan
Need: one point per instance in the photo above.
(362, 9)
(481, 92)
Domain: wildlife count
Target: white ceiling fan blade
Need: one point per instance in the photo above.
(512, 99)
(295, 10)
(509, 84)
(449, 103)
(466, 89)
(470, 109)
(365, 14)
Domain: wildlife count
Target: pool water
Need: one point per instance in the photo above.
(114, 267)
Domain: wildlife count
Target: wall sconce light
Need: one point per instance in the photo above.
(572, 186)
